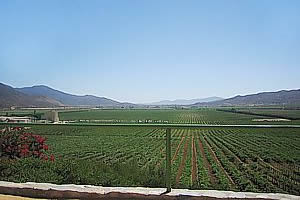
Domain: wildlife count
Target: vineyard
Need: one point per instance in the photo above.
(192, 116)
(241, 159)
(174, 116)
(293, 114)
(223, 158)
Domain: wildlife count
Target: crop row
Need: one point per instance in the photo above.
(241, 159)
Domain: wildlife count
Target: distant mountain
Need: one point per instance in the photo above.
(185, 101)
(44, 96)
(10, 97)
(264, 98)
(69, 99)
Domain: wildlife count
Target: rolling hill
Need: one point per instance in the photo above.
(10, 97)
(186, 101)
(44, 96)
(68, 99)
(283, 97)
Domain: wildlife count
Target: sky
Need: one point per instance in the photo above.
(143, 51)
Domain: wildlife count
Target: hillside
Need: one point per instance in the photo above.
(283, 97)
(68, 99)
(11, 97)
(186, 101)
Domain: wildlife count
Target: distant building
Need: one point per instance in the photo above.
(16, 119)
(52, 116)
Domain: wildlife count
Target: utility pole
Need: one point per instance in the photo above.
(168, 159)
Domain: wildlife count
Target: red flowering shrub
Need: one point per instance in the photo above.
(15, 143)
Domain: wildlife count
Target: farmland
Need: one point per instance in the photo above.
(182, 116)
(192, 116)
(239, 159)
(279, 112)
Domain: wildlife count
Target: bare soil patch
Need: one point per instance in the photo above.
(183, 160)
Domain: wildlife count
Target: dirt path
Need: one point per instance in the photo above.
(265, 164)
(194, 162)
(269, 165)
(285, 166)
(292, 178)
(177, 149)
(182, 163)
(272, 166)
(207, 165)
(229, 150)
(218, 162)
(162, 151)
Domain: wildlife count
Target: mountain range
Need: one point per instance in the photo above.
(68, 99)
(283, 97)
(186, 101)
(44, 96)
(10, 97)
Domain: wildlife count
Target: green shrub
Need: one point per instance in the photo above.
(64, 171)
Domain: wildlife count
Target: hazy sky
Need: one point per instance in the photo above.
(149, 50)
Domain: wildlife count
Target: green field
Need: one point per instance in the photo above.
(190, 116)
(239, 159)
(279, 112)
(194, 116)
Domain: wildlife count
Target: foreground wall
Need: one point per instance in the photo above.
(53, 191)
